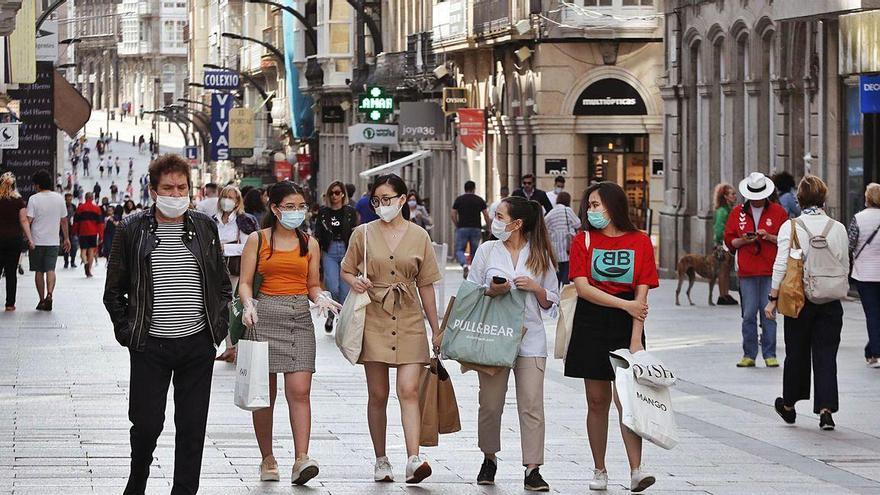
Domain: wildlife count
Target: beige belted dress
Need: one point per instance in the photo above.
(394, 331)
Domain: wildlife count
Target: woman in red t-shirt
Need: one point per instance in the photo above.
(612, 266)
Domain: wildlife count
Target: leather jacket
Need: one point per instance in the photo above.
(128, 292)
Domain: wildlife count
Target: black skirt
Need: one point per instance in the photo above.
(596, 331)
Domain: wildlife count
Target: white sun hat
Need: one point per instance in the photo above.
(756, 186)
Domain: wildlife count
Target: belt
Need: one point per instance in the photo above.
(391, 295)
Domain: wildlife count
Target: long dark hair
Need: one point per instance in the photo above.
(615, 202)
(277, 193)
(541, 256)
(397, 184)
(253, 201)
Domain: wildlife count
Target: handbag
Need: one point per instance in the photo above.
(645, 410)
(236, 308)
(252, 375)
(437, 404)
(233, 264)
(791, 290)
(567, 306)
(351, 320)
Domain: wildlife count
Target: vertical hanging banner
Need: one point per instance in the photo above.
(221, 105)
(472, 127)
(302, 119)
(22, 48)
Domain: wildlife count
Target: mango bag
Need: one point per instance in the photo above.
(791, 290)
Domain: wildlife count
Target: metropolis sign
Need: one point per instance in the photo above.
(610, 97)
(221, 79)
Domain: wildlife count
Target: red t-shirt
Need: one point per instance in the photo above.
(614, 264)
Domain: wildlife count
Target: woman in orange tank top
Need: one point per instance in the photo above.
(289, 262)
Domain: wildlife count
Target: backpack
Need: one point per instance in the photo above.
(825, 275)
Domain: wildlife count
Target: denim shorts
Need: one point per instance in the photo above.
(43, 258)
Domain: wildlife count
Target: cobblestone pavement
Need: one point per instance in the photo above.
(64, 388)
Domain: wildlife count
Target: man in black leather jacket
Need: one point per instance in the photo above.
(167, 293)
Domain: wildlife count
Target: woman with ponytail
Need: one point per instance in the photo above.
(289, 261)
(523, 257)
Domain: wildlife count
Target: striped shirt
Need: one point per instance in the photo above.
(178, 298)
(562, 223)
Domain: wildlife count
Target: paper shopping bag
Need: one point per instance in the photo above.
(437, 403)
(252, 375)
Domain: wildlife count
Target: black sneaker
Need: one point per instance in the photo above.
(787, 415)
(535, 483)
(328, 325)
(727, 300)
(826, 422)
(487, 472)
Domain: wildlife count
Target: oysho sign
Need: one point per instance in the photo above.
(869, 93)
(455, 98)
(377, 134)
(221, 79)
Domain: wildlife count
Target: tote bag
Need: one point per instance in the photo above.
(567, 306)
(252, 375)
(350, 323)
(484, 330)
(236, 308)
(437, 404)
(791, 290)
(646, 410)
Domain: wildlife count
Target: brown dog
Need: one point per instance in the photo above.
(707, 266)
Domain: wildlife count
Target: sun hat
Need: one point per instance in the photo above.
(756, 186)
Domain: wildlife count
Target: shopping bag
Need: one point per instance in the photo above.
(351, 319)
(236, 308)
(252, 375)
(649, 370)
(484, 330)
(646, 410)
(567, 305)
(437, 404)
(791, 290)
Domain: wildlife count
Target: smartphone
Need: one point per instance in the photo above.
(499, 280)
(751, 235)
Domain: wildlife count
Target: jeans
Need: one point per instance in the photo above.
(812, 338)
(754, 292)
(562, 273)
(10, 252)
(870, 294)
(463, 237)
(189, 362)
(70, 257)
(330, 261)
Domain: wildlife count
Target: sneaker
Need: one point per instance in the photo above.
(771, 362)
(20, 270)
(10, 308)
(72, 264)
(269, 469)
(383, 470)
(417, 469)
(787, 415)
(304, 469)
(746, 363)
(487, 472)
(826, 422)
(727, 300)
(534, 482)
(600, 480)
(328, 325)
(65, 265)
(640, 481)
(873, 362)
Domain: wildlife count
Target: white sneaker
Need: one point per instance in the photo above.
(640, 481)
(874, 363)
(304, 469)
(417, 469)
(600, 480)
(383, 470)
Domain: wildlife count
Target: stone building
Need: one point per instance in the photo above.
(96, 24)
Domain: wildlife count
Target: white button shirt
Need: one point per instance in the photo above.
(231, 238)
(493, 260)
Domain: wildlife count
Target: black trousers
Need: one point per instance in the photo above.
(10, 252)
(188, 362)
(814, 336)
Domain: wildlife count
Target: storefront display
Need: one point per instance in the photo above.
(623, 159)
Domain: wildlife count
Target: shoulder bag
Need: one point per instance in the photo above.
(791, 290)
(352, 317)
(567, 304)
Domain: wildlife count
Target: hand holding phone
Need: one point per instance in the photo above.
(499, 280)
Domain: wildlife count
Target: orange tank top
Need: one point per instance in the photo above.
(286, 273)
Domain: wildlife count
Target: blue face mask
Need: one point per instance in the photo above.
(598, 219)
(292, 219)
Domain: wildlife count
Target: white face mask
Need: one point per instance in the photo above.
(388, 213)
(172, 207)
(227, 204)
(499, 230)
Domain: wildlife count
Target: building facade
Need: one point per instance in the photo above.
(96, 24)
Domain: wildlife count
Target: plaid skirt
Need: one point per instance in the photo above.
(286, 324)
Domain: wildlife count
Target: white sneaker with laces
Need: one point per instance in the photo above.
(417, 469)
(640, 481)
(383, 470)
(600, 480)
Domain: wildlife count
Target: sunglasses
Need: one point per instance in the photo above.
(336, 193)
(528, 183)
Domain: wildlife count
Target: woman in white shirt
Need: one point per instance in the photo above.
(562, 223)
(815, 334)
(865, 251)
(523, 256)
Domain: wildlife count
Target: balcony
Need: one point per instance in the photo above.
(610, 19)
(491, 17)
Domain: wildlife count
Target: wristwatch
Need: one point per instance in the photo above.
(772, 299)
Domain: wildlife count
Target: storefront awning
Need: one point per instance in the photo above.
(396, 164)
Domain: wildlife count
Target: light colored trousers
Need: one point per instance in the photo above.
(529, 376)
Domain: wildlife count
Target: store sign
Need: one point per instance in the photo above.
(221, 105)
(47, 41)
(455, 98)
(333, 114)
(9, 136)
(304, 166)
(610, 97)
(556, 166)
(472, 127)
(241, 128)
(375, 104)
(378, 134)
(283, 170)
(869, 93)
(221, 79)
(421, 120)
(192, 153)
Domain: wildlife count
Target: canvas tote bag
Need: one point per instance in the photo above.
(567, 306)
(350, 323)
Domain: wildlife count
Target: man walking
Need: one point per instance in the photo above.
(167, 292)
(208, 205)
(71, 213)
(89, 226)
(558, 187)
(531, 192)
(46, 213)
(466, 210)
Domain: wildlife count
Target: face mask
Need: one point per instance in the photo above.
(412, 203)
(598, 219)
(557, 190)
(292, 219)
(172, 207)
(499, 230)
(388, 213)
(227, 204)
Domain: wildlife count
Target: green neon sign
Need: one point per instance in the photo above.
(375, 104)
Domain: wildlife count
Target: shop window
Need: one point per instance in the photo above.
(623, 159)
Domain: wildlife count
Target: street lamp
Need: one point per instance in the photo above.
(194, 102)
(268, 46)
(310, 30)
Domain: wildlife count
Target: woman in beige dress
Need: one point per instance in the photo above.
(401, 270)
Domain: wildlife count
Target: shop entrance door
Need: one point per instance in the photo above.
(623, 159)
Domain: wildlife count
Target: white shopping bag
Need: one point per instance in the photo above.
(252, 375)
(646, 410)
(350, 325)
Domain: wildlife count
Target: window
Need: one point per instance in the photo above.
(638, 3)
(597, 3)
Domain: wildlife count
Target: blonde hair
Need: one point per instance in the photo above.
(334, 184)
(239, 207)
(811, 191)
(720, 192)
(7, 186)
(872, 195)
